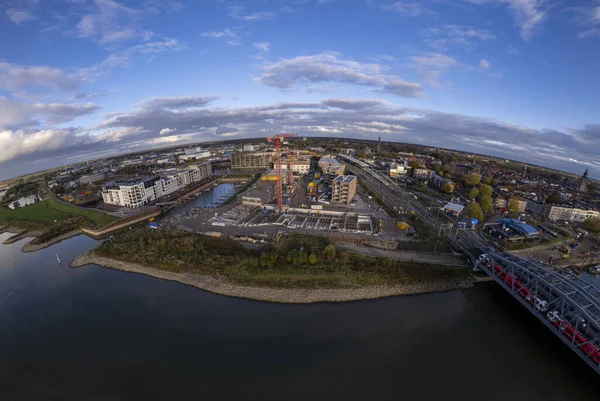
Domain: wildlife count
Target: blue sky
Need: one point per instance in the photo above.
(81, 79)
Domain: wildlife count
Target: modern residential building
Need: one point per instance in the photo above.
(250, 161)
(397, 170)
(250, 148)
(91, 178)
(141, 191)
(567, 213)
(343, 188)
(24, 201)
(423, 174)
(301, 166)
(333, 171)
(327, 161)
(535, 207)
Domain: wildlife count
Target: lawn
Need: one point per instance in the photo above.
(49, 211)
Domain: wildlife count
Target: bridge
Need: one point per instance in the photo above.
(566, 304)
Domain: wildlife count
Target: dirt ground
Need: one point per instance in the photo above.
(588, 253)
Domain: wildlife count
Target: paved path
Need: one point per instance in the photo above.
(442, 259)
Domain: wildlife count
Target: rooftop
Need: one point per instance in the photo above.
(455, 207)
(345, 178)
(520, 226)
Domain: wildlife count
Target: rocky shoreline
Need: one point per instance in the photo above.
(276, 295)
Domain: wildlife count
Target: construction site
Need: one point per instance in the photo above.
(319, 200)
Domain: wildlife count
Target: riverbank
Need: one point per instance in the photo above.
(220, 285)
(32, 247)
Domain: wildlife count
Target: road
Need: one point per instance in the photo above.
(439, 259)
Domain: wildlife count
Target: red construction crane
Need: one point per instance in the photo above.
(291, 181)
(277, 139)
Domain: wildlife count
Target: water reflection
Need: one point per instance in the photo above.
(92, 333)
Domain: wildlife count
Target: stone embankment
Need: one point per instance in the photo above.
(277, 295)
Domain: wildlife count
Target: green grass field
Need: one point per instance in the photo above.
(49, 211)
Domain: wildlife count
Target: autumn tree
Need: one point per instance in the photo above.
(513, 206)
(473, 179)
(329, 252)
(485, 202)
(485, 190)
(447, 188)
(473, 193)
(474, 211)
(591, 224)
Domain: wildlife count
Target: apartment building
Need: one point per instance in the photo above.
(397, 170)
(567, 213)
(250, 161)
(343, 188)
(423, 174)
(141, 191)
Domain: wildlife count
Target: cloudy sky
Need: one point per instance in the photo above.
(82, 79)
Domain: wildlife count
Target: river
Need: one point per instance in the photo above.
(98, 334)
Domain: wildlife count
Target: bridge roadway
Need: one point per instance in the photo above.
(566, 304)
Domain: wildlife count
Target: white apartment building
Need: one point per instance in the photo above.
(396, 170)
(24, 201)
(555, 212)
(140, 192)
(301, 167)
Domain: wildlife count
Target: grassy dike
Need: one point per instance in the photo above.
(284, 273)
(50, 221)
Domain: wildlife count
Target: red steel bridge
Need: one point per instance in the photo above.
(565, 303)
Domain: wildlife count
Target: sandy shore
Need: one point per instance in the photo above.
(29, 247)
(277, 295)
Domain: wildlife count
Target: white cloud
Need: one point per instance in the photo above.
(330, 67)
(225, 33)
(588, 17)
(346, 118)
(262, 46)
(411, 9)
(485, 64)
(239, 12)
(455, 35)
(34, 78)
(19, 16)
(529, 14)
(15, 114)
(108, 21)
(166, 131)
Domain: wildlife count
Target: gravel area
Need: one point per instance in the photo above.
(277, 295)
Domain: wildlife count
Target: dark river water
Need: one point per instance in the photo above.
(97, 334)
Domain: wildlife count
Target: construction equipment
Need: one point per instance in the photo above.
(277, 139)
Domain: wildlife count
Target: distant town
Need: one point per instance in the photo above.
(515, 202)
(311, 185)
